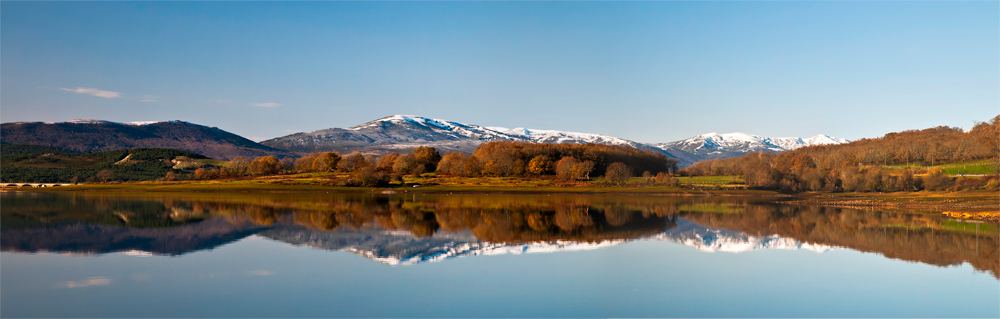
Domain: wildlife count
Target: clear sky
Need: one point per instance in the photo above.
(646, 71)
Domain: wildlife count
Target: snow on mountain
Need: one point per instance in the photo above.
(401, 132)
(93, 121)
(454, 129)
(409, 131)
(555, 137)
(493, 132)
(714, 145)
(710, 141)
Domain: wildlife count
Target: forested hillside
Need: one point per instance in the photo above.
(97, 136)
(888, 163)
(42, 164)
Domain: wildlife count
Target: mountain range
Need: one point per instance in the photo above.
(403, 132)
(394, 133)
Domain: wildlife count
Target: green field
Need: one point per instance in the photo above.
(711, 180)
(990, 166)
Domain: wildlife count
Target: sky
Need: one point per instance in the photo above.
(644, 71)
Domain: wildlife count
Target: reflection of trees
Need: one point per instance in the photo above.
(566, 221)
(930, 239)
(913, 237)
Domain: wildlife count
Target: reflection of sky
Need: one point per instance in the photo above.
(263, 278)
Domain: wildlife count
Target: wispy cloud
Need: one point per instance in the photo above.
(261, 272)
(149, 98)
(92, 281)
(94, 92)
(268, 104)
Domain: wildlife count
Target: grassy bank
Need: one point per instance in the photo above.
(979, 205)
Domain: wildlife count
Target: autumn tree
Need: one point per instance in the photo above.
(238, 166)
(473, 167)
(566, 168)
(540, 165)
(353, 162)
(618, 173)
(331, 159)
(427, 156)
(452, 164)
(386, 162)
(405, 164)
(201, 173)
(584, 169)
(265, 165)
(369, 176)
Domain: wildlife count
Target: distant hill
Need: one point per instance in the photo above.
(404, 132)
(46, 164)
(95, 135)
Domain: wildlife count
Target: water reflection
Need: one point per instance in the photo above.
(408, 229)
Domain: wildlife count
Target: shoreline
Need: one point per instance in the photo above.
(973, 205)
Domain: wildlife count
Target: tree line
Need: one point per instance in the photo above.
(863, 165)
(565, 161)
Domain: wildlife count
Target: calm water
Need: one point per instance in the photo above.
(343, 255)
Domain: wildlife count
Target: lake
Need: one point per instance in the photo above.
(475, 255)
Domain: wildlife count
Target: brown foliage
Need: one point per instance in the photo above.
(618, 172)
(353, 162)
(238, 166)
(856, 166)
(541, 165)
(452, 164)
(265, 165)
(386, 162)
(427, 156)
(514, 158)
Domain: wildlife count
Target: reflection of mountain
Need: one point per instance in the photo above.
(922, 238)
(402, 248)
(712, 239)
(409, 230)
(91, 238)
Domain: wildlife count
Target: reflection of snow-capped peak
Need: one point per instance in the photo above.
(463, 249)
(723, 240)
(443, 246)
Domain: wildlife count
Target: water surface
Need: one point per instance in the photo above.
(361, 255)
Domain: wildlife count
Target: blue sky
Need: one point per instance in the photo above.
(646, 71)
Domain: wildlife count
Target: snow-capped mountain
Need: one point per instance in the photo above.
(401, 132)
(715, 145)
